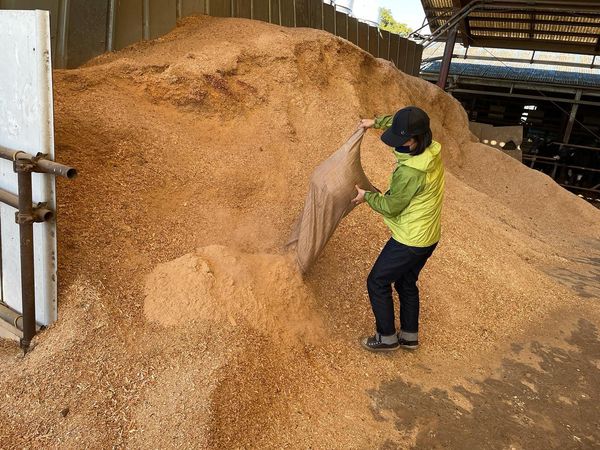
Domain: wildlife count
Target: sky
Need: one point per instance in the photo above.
(409, 12)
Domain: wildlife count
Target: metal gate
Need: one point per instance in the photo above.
(27, 193)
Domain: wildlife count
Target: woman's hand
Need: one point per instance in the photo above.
(360, 197)
(366, 123)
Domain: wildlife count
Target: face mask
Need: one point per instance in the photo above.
(403, 149)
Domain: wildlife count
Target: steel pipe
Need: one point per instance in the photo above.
(40, 212)
(552, 161)
(23, 167)
(9, 199)
(6, 153)
(584, 147)
(12, 317)
(39, 163)
(59, 170)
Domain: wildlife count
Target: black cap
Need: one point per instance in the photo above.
(408, 122)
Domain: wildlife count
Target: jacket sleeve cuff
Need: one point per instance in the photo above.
(383, 122)
(369, 197)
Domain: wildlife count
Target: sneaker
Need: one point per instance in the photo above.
(409, 345)
(374, 344)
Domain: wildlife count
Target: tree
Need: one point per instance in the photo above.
(388, 23)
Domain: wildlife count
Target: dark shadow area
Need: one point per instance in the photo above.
(553, 405)
(586, 283)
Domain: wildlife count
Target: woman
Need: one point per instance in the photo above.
(411, 208)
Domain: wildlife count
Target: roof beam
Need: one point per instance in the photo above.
(535, 44)
(525, 9)
(512, 60)
(488, 93)
(508, 84)
(441, 9)
(572, 5)
(565, 23)
(530, 32)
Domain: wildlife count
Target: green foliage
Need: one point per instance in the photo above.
(388, 23)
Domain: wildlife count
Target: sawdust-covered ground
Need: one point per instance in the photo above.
(194, 153)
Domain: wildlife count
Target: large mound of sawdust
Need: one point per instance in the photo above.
(195, 152)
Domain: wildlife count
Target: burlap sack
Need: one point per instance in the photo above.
(328, 201)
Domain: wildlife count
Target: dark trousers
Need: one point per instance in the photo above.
(398, 264)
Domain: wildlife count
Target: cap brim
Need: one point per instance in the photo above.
(393, 140)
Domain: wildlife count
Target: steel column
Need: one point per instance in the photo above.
(146, 20)
(110, 29)
(448, 51)
(63, 27)
(572, 117)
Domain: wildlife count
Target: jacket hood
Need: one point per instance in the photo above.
(425, 162)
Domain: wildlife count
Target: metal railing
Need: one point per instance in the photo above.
(28, 213)
(558, 164)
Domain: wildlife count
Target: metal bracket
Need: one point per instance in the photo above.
(24, 165)
(41, 213)
(24, 219)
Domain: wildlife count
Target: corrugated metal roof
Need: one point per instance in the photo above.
(523, 74)
(556, 61)
(544, 25)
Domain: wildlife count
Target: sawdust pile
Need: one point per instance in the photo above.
(220, 285)
(182, 323)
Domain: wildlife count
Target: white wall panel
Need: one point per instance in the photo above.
(26, 123)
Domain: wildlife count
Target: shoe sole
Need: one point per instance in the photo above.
(409, 347)
(378, 350)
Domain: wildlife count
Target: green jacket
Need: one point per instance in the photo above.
(412, 206)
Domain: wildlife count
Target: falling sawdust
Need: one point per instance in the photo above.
(220, 285)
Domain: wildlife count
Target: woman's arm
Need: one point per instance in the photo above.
(406, 183)
(383, 122)
(380, 122)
